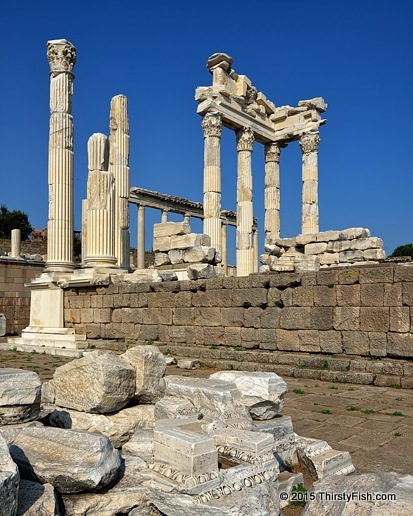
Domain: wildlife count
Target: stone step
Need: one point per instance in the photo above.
(30, 348)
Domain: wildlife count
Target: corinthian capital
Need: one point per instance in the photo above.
(212, 124)
(61, 56)
(245, 139)
(272, 152)
(309, 142)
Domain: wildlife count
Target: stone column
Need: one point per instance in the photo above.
(245, 251)
(309, 147)
(164, 216)
(272, 193)
(16, 236)
(62, 57)
(100, 205)
(141, 237)
(255, 244)
(212, 126)
(84, 229)
(119, 166)
(224, 252)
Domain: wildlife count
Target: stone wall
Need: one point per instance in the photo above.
(29, 247)
(14, 296)
(359, 310)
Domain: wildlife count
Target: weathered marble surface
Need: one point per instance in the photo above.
(9, 481)
(19, 396)
(37, 499)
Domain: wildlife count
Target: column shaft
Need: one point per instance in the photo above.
(141, 238)
(15, 243)
(212, 126)
(272, 193)
(309, 146)
(245, 252)
(224, 252)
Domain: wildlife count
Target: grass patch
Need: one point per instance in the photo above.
(397, 413)
(353, 408)
(325, 411)
(330, 285)
(396, 386)
(325, 364)
(368, 411)
(351, 389)
(299, 501)
(213, 347)
(333, 387)
(399, 399)
(298, 391)
(397, 434)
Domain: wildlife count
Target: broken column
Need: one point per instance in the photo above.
(245, 252)
(119, 166)
(212, 126)
(16, 243)
(272, 193)
(309, 146)
(62, 57)
(100, 205)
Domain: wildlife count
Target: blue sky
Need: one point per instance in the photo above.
(357, 55)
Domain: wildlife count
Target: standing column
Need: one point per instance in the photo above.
(224, 252)
(212, 126)
(62, 57)
(119, 166)
(309, 147)
(141, 237)
(245, 251)
(255, 244)
(272, 193)
(16, 236)
(100, 205)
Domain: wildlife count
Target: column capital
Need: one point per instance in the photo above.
(61, 56)
(212, 124)
(309, 142)
(245, 139)
(272, 152)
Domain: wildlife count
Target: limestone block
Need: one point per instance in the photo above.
(281, 428)
(317, 103)
(100, 382)
(367, 243)
(356, 342)
(187, 363)
(346, 318)
(171, 407)
(37, 499)
(122, 498)
(305, 263)
(140, 445)
(273, 249)
(20, 393)
(400, 345)
(70, 460)
(337, 246)
(330, 342)
(202, 271)
(187, 452)
(252, 444)
(399, 485)
(351, 256)
(9, 481)
(149, 364)
(161, 259)
(286, 482)
(118, 427)
(321, 460)
(165, 229)
(214, 398)
(199, 254)
(168, 276)
(189, 240)
(261, 393)
(329, 259)
(176, 256)
(161, 244)
(329, 236)
(317, 248)
(307, 238)
(374, 254)
(2, 325)
(10, 432)
(378, 344)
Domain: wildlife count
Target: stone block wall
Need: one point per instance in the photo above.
(359, 310)
(14, 296)
(29, 247)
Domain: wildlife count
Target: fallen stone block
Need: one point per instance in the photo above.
(171, 407)
(161, 259)
(356, 494)
(9, 481)
(20, 393)
(72, 461)
(165, 229)
(199, 254)
(189, 240)
(140, 445)
(37, 499)
(286, 482)
(187, 363)
(202, 271)
(149, 366)
(119, 427)
(285, 445)
(261, 393)
(10, 432)
(100, 382)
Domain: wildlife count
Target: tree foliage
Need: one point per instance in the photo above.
(14, 219)
(403, 250)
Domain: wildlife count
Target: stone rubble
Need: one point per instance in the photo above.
(19, 396)
(9, 481)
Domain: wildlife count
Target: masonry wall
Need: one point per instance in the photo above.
(27, 246)
(364, 311)
(14, 296)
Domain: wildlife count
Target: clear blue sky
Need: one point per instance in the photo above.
(355, 54)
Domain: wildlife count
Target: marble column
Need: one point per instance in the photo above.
(119, 166)
(212, 126)
(245, 251)
(309, 147)
(141, 237)
(100, 205)
(16, 236)
(62, 57)
(272, 193)
(224, 252)
(255, 245)
(84, 229)
(164, 216)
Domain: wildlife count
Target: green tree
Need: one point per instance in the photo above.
(14, 219)
(403, 250)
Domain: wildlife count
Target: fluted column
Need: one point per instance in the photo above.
(119, 166)
(255, 245)
(212, 126)
(141, 237)
(224, 252)
(62, 57)
(309, 147)
(245, 251)
(84, 229)
(16, 243)
(100, 205)
(272, 193)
